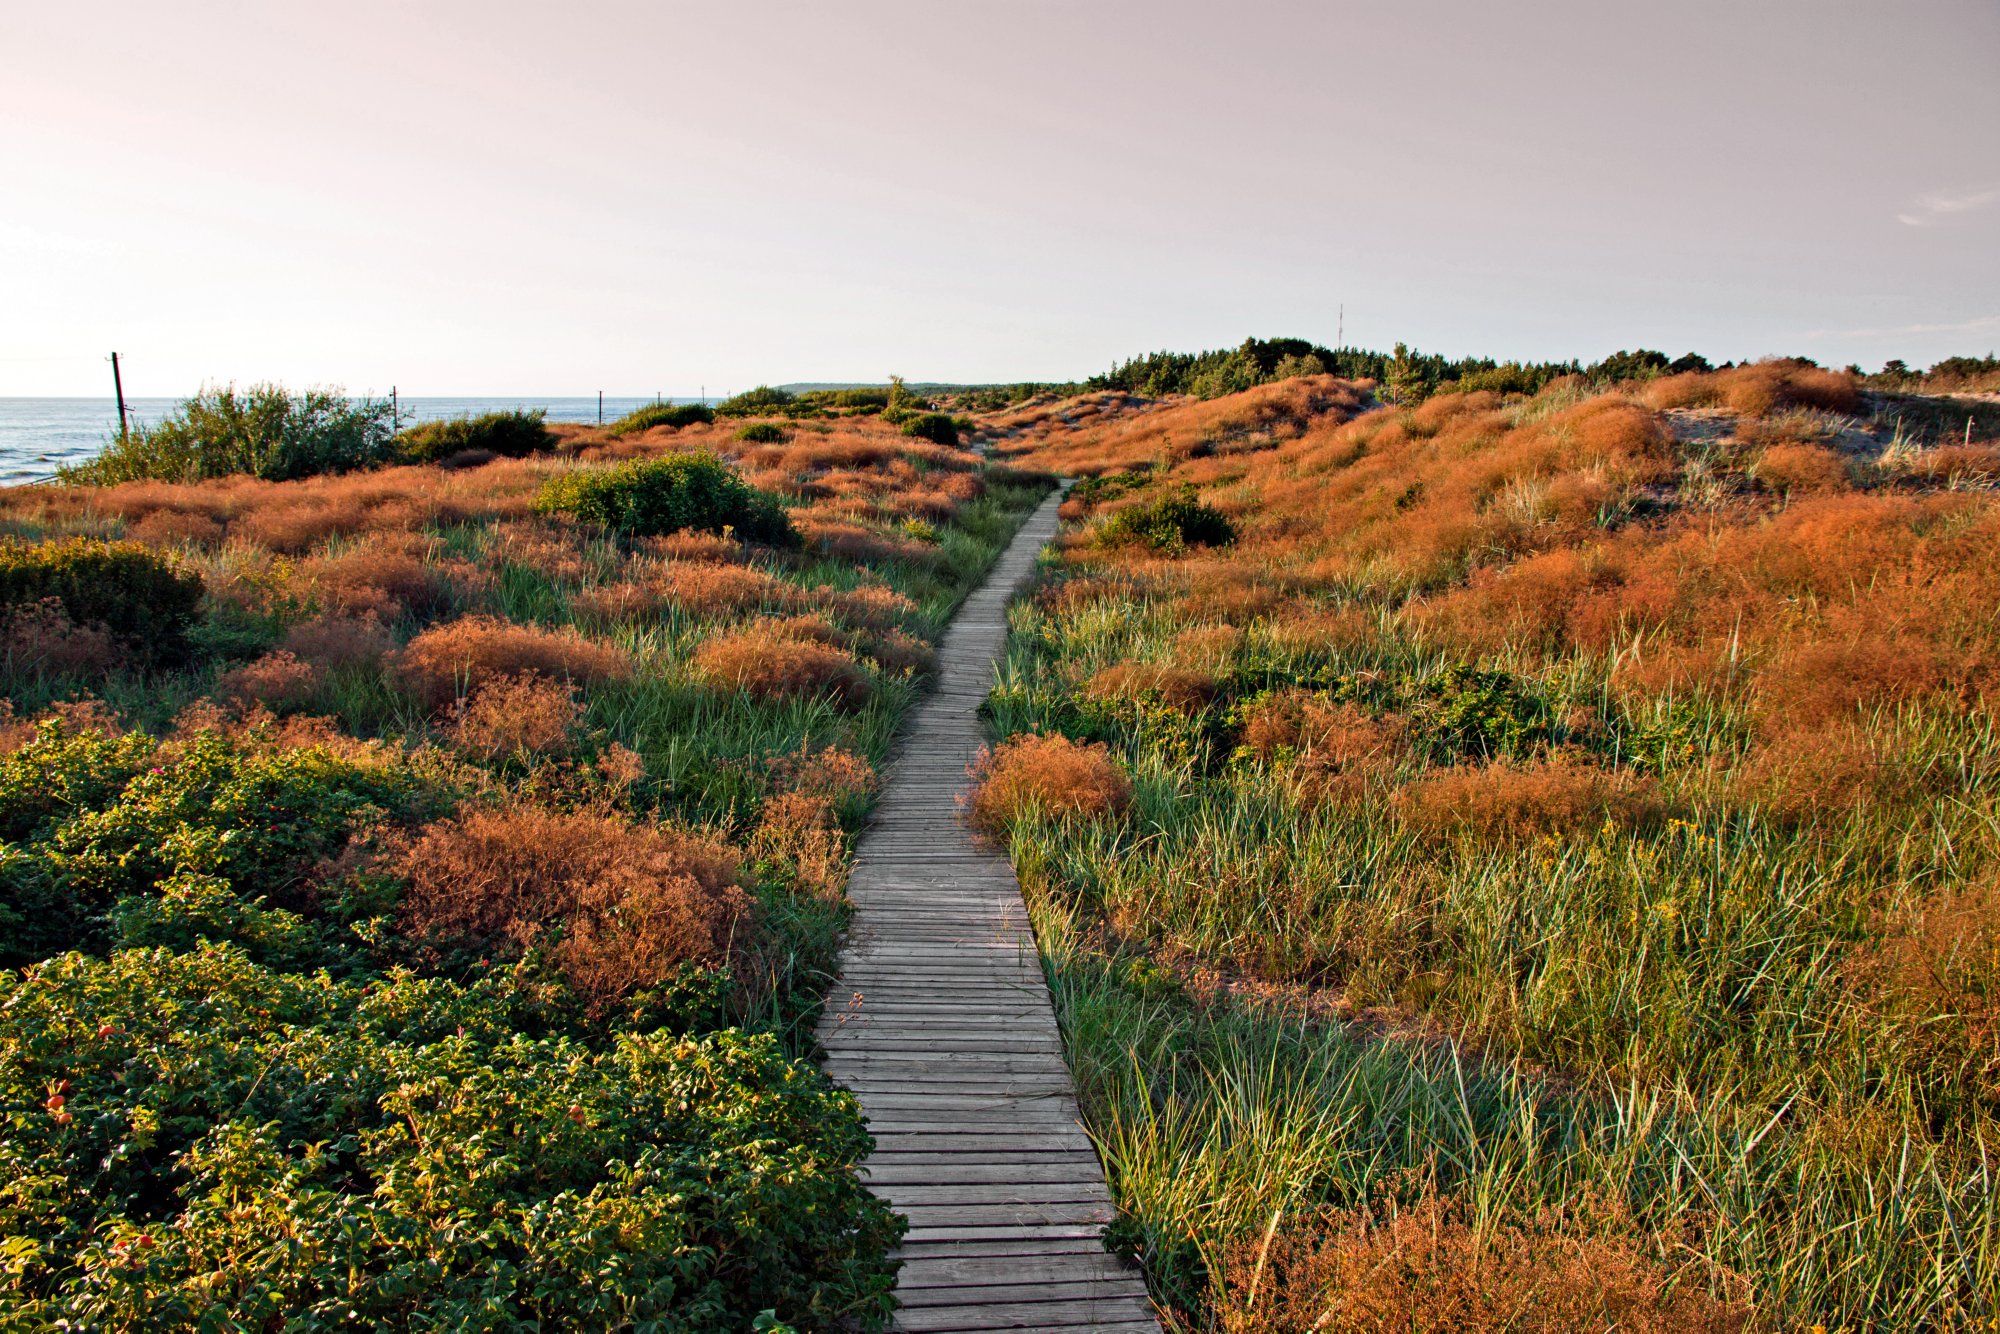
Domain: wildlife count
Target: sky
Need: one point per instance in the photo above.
(506, 197)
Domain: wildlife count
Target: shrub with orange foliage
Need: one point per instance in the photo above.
(707, 589)
(461, 655)
(1930, 972)
(1175, 687)
(1795, 466)
(776, 661)
(517, 715)
(1511, 800)
(39, 639)
(626, 905)
(1047, 775)
(333, 643)
(621, 600)
(387, 579)
(279, 680)
(1425, 1267)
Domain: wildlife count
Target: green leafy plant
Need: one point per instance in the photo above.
(511, 435)
(935, 427)
(675, 415)
(763, 401)
(761, 433)
(264, 431)
(1171, 523)
(144, 598)
(651, 497)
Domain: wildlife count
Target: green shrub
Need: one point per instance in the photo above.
(513, 434)
(201, 1142)
(763, 401)
(675, 415)
(129, 589)
(932, 426)
(103, 827)
(264, 431)
(1172, 523)
(762, 433)
(651, 497)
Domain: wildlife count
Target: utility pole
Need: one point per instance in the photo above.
(1340, 338)
(600, 407)
(395, 412)
(118, 384)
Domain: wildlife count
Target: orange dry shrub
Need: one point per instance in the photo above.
(1252, 420)
(1802, 773)
(517, 715)
(626, 904)
(388, 578)
(770, 660)
(40, 639)
(870, 607)
(1046, 775)
(898, 653)
(333, 643)
(1793, 467)
(461, 655)
(851, 542)
(280, 680)
(1424, 1267)
(1511, 800)
(1755, 390)
(703, 589)
(623, 600)
(692, 546)
(1176, 687)
(548, 549)
(1929, 974)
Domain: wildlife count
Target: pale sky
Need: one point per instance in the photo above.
(512, 198)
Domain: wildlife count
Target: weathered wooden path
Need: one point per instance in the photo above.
(941, 1023)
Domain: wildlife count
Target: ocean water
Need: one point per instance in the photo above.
(39, 435)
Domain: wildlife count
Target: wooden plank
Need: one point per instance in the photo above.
(942, 1025)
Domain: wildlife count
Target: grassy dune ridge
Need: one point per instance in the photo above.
(1538, 874)
(434, 935)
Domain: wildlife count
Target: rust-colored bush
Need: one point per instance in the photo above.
(1048, 775)
(898, 653)
(708, 589)
(1511, 800)
(517, 715)
(1930, 973)
(1424, 1267)
(625, 904)
(280, 680)
(1175, 687)
(458, 656)
(776, 661)
(40, 639)
(1791, 466)
(380, 579)
(621, 600)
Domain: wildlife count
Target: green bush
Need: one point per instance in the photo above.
(197, 1141)
(264, 431)
(763, 401)
(1172, 523)
(932, 426)
(762, 433)
(129, 589)
(652, 497)
(101, 828)
(513, 434)
(675, 415)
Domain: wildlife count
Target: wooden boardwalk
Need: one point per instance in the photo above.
(941, 1023)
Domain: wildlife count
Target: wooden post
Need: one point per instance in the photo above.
(600, 407)
(118, 384)
(395, 412)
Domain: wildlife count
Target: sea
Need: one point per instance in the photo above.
(39, 435)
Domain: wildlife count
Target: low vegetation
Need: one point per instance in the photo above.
(1540, 873)
(263, 431)
(416, 898)
(490, 435)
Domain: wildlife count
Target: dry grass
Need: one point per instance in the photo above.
(625, 904)
(515, 716)
(458, 657)
(779, 660)
(41, 640)
(1045, 775)
(279, 681)
(1515, 801)
(1424, 1268)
